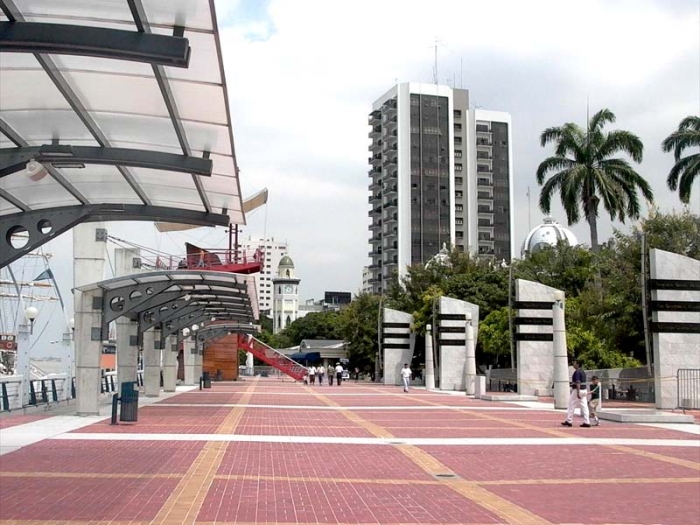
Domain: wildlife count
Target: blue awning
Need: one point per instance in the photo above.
(306, 356)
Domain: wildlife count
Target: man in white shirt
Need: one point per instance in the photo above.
(338, 373)
(320, 372)
(406, 376)
(312, 374)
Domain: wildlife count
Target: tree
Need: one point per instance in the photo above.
(585, 175)
(686, 169)
(359, 321)
(494, 334)
(315, 325)
(567, 268)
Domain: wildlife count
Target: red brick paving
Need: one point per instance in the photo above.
(345, 483)
(12, 420)
(648, 504)
(492, 463)
(319, 460)
(99, 498)
(103, 457)
(322, 502)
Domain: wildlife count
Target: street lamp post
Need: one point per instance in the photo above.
(23, 350)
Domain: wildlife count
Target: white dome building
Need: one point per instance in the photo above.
(549, 233)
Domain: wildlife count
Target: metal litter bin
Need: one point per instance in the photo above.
(130, 402)
(206, 380)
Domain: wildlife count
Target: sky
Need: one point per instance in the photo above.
(302, 76)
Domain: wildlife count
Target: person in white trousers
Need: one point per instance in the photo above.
(578, 397)
(406, 376)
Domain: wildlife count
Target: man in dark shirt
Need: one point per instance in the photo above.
(578, 397)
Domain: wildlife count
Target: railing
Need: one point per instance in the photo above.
(52, 389)
(272, 357)
(207, 259)
(688, 388)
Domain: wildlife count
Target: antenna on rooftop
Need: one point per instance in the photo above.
(435, 68)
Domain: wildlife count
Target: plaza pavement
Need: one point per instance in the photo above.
(267, 451)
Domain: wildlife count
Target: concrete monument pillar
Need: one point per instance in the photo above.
(452, 324)
(534, 338)
(126, 262)
(561, 357)
(470, 365)
(675, 295)
(88, 267)
(429, 359)
(189, 360)
(249, 362)
(170, 364)
(151, 364)
(397, 344)
(23, 359)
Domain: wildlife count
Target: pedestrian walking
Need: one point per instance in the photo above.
(331, 373)
(312, 374)
(594, 403)
(578, 397)
(357, 374)
(406, 375)
(320, 372)
(338, 373)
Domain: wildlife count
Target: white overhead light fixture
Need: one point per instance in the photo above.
(35, 170)
(195, 327)
(71, 323)
(31, 313)
(558, 296)
(185, 331)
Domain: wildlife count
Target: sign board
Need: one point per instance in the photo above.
(8, 342)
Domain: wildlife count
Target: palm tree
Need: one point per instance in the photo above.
(686, 169)
(585, 175)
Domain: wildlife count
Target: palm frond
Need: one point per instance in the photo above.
(690, 122)
(685, 187)
(600, 119)
(621, 140)
(681, 140)
(550, 135)
(678, 169)
(552, 164)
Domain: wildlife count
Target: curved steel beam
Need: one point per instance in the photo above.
(44, 225)
(68, 39)
(13, 160)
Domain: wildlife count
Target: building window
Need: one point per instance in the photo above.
(458, 153)
(459, 180)
(458, 127)
(459, 235)
(457, 113)
(459, 222)
(458, 167)
(458, 140)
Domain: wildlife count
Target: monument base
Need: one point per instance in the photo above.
(644, 416)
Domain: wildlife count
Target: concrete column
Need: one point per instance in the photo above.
(170, 364)
(151, 364)
(88, 351)
(429, 361)
(189, 361)
(67, 361)
(127, 350)
(198, 360)
(22, 364)
(470, 365)
(250, 370)
(88, 267)
(561, 360)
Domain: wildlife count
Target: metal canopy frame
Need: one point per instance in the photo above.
(15, 159)
(159, 299)
(217, 331)
(43, 225)
(203, 203)
(65, 39)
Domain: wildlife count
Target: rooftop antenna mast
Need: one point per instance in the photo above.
(435, 69)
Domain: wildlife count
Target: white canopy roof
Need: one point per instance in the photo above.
(83, 100)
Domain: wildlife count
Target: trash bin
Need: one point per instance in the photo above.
(206, 380)
(130, 402)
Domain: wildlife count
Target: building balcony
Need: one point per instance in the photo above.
(483, 128)
(389, 219)
(376, 225)
(390, 234)
(485, 237)
(484, 195)
(375, 118)
(484, 142)
(375, 132)
(376, 159)
(389, 108)
(485, 183)
(391, 204)
(375, 211)
(374, 198)
(485, 223)
(484, 209)
(375, 253)
(375, 147)
(391, 191)
(483, 155)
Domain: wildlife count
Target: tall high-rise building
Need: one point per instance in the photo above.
(273, 251)
(441, 173)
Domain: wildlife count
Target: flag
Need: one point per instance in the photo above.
(43, 276)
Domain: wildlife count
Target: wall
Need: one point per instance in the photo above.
(222, 354)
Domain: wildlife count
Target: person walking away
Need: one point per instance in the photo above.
(594, 404)
(338, 373)
(320, 372)
(578, 397)
(331, 373)
(312, 374)
(357, 374)
(406, 376)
